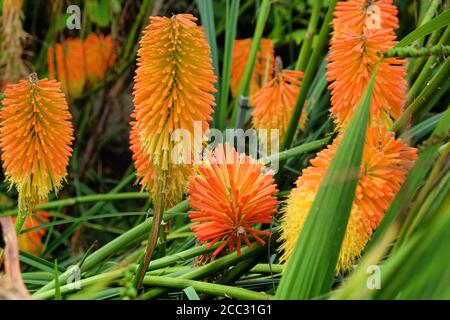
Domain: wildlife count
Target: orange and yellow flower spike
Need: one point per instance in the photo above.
(230, 195)
(174, 86)
(385, 163)
(35, 137)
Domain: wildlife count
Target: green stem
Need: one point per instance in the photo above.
(432, 86)
(211, 268)
(209, 288)
(302, 60)
(309, 75)
(231, 17)
(434, 51)
(85, 199)
(293, 152)
(426, 70)
(245, 84)
(112, 247)
(131, 39)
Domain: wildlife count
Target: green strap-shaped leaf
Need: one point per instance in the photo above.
(437, 23)
(310, 269)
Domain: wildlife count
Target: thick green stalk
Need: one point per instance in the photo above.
(211, 268)
(309, 75)
(219, 290)
(84, 199)
(112, 247)
(302, 60)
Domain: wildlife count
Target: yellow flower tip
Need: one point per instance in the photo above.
(385, 164)
(294, 216)
(230, 195)
(264, 64)
(355, 53)
(35, 137)
(274, 103)
(174, 86)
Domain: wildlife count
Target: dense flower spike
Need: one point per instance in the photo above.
(274, 102)
(70, 66)
(35, 137)
(31, 242)
(357, 14)
(100, 55)
(356, 50)
(230, 195)
(385, 163)
(12, 67)
(263, 68)
(173, 90)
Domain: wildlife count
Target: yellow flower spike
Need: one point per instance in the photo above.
(385, 163)
(35, 137)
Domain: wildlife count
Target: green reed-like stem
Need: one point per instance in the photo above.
(309, 75)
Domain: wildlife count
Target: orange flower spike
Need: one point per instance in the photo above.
(357, 14)
(70, 66)
(35, 138)
(274, 102)
(230, 195)
(100, 55)
(352, 61)
(264, 64)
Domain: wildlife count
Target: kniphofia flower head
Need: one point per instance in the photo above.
(385, 163)
(363, 32)
(262, 70)
(70, 68)
(173, 90)
(100, 55)
(35, 137)
(357, 14)
(274, 102)
(230, 195)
